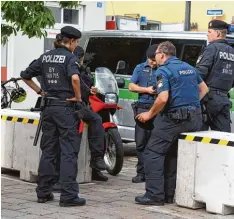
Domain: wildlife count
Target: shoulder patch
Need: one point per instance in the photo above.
(199, 59)
(159, 81)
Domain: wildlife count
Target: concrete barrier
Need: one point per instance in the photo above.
(205, 175)
(232, 124)
(18, 152)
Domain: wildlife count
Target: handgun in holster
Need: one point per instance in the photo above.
(145, 125)
(134, 108)
(203, 107)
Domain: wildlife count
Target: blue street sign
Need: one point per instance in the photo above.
(215, 12)
(99, 4)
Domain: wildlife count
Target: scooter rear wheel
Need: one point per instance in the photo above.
(114, 155)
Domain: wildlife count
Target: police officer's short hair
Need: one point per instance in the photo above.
(167, 48)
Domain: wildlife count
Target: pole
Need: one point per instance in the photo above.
(187, 16)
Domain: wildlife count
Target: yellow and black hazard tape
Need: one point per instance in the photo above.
(18, 119)
(221, 142)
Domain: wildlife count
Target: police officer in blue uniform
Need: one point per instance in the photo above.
(143, 81)
(178, 110)
(216, 66)
(61, 83)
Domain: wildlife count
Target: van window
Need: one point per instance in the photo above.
(186, 50)
(107, 51)
(191, 53)
(177, 43)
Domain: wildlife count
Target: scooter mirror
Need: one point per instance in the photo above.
(120, 65)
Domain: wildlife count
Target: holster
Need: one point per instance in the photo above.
(134, 108)
(145, 125)
(183, 114)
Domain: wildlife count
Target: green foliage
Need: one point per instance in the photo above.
(30, 17)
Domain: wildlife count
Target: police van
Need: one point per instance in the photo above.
(106, 48)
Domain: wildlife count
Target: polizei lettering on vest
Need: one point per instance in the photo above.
(226, 56)
(53, 58)
(186, 72)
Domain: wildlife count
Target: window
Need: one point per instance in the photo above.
(107, 51)
(177, 43)
(56, 12)
(191, 53)
(186, 50)
(70, 16)
(65, 16)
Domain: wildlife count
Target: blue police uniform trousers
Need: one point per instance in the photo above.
(59, 124)
(95, 139)
(218, 109)
(142, 136)
(161, 155)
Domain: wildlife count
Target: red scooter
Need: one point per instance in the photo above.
(105, 103)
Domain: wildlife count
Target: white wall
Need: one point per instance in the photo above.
(94, 16)
(21, 52)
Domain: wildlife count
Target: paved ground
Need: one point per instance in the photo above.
(110, 200)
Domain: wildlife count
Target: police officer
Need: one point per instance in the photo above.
(60, 80)
(216, 66)
(143, 81)
(178, 110)
(95, 128)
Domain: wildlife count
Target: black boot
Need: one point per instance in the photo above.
(144, 200)
(139, 178)
(98, 163)
(98, 175)
(49, 197)
(169, 199)
(74, 202)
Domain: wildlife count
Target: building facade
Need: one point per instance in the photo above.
(20, 51)
(173, 12)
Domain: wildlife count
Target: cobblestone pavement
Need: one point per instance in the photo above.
(105, 200)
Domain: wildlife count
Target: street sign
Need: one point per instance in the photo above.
(99, 4)
(215, 12)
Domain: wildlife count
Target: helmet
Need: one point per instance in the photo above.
(18, 95)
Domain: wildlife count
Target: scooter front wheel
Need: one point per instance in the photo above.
(114, 155)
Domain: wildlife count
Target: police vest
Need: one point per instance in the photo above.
(183, 81)
(54, 78)
(146, 79)
(221, 76)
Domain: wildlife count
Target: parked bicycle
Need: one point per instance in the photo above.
(11, 94)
